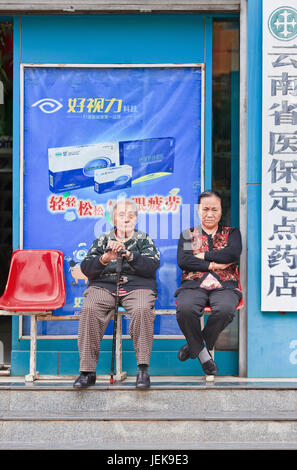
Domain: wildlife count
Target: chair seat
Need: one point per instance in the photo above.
(209, 309)
(35, 281)
(239, 306)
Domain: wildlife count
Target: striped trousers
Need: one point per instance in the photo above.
(98, 309)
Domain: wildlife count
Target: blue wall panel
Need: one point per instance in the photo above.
(272, 337)
(254, 103)
(113, 38)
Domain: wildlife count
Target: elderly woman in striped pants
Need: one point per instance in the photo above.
(137, 292)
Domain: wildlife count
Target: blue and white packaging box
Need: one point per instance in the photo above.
(112, 179)
(149, 158)
(74, 167)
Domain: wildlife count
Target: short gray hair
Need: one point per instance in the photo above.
(121, 201)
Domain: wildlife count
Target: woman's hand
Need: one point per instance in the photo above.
(200, 255)
(114, 248)
(215, 266)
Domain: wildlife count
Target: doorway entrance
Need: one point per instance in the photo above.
(225, 137)
(6, 53)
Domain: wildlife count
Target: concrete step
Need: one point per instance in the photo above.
(157, 399)
(148, 432)
(170, 415)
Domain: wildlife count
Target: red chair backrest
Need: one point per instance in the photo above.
(35, 281)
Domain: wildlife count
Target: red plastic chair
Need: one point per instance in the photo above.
(35, 286)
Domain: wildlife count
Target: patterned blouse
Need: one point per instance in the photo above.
(223, 247)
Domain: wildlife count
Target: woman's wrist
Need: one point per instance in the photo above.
(101, 259)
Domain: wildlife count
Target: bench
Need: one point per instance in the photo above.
(121, 375)
(36, 287)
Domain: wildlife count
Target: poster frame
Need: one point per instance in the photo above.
(23, 66)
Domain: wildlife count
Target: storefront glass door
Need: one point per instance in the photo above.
(225, 135)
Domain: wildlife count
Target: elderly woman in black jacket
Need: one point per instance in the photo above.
(208, 255)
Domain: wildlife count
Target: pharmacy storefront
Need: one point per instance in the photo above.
(158, 106)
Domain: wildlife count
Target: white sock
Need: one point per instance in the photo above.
(204, 355)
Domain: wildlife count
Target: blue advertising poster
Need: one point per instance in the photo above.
(93, 134)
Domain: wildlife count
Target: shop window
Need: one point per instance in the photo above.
(225, 136)
(225, 141)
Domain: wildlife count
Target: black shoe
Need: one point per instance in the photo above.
(210, 367)
(143, 380)
(184, 353)
(86, 379)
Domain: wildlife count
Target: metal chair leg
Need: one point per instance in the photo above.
(120, 375)
(33, 374)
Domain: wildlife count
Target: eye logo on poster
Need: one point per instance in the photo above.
(282, 23)
(48, 105)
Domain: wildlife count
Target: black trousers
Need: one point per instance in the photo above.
(190, 308)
